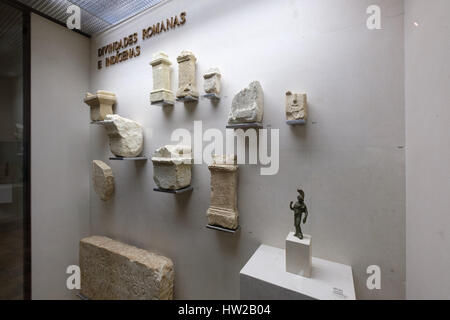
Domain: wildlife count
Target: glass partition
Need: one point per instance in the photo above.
(14, 218)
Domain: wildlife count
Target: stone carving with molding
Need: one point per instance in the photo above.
(187, 83)
(103, 178)
(126, 137)
(162, 90)
(223, 210)
(296, 107)
(212, 81)
(101, 104)
(111, 270)
(248, 105)
(172, 167)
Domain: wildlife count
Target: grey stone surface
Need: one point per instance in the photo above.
(248, 105)
(111, 270)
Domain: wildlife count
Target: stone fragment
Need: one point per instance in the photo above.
(111, 270)
(187, 83)
(223, 208)
(126, 137)
(162, 90)
(103, 178)
(212, 81)
(172, 167)
(101, 104)
(296, 108)
(248, 105)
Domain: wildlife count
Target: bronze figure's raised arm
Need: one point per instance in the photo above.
(299, 209)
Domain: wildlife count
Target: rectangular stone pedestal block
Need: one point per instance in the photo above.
(298, 255)
(223, 210)
(111, 270)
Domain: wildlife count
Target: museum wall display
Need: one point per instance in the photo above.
(341, 158)
(172, 167)
(101, 104)
(111, 270)
(103, 179)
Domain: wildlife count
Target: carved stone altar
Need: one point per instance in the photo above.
(162, 90)
(296, 106)
(103, 179)
(223, 210)
(248, 105)
(111, 270)
(187, 82)
(126, 137)
(172, 167)
(101, 104)
(299, 255)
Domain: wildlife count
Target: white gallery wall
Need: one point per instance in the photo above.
(427, 49)
(60, 154)
(349, 158)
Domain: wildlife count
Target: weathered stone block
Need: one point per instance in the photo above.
(111, 270)
(223, 208)
(187, 72)
(296, 107)
(162, 89)
(126, 137)
(101, 104)
(172, 167)
(248, 105)
(103, 178)
(212, 81)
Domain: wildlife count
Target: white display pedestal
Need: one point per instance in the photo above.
(264, 277)
(298, 255)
